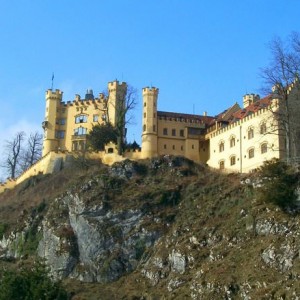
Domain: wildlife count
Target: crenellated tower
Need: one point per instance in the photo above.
(149, 133)
(53, 100)
(116, 102)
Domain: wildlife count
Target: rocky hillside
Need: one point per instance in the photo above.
(158, 229)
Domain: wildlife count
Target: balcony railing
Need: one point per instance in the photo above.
(78, 137)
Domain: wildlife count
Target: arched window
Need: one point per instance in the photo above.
(264, 148)
(251, 153)
(222, 164)
(250, 133)
(221, 146)
(263, 128)
(80, 131)
(81, 119)
(232, 160)
(144, 127)
(232, 141)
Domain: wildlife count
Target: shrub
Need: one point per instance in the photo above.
(30, 283)
(279, 183)
(3, 228)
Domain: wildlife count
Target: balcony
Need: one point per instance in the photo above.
(79, 137)
(44, 124)
(195, 133)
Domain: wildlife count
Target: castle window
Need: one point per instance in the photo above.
(81, 119)
(74, 146)
(60, 121)
(165, 131)
(144, 115)
(173, 132)
(60, 134)
(221, 147)
(154, 115)
(263, 128)
(144, 104)
(232, 160)
(165, 146)
(222, 165)
(264, 148)
(181, 148)
(80, 131)
(154, 128)
(173, 147)
(250, 133)
(232, 141)
(192, 146)
(95, 118)
(181, 132)
(251, 153)
(144, 127)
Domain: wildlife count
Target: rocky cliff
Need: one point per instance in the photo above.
(160, 229)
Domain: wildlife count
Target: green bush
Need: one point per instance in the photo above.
(30, 284)
(279, 183)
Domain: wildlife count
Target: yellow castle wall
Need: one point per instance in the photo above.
(60, 117)
(161, 135)
(243, 144)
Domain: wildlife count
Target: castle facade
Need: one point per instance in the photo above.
(67, 124)
(236, 140)
(239, 139)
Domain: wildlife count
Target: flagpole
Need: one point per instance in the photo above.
(52, 81)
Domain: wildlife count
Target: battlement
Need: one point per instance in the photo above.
(79, 101)
(57, 92)
(248, 99)
(116, 84)
(151, 90)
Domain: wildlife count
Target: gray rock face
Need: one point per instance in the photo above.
(177, 261)
(95, 243)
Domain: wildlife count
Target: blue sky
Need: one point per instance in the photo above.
(202, 55)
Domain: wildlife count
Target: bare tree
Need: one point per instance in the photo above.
(33, 150)
(281, 76)
(13, 151)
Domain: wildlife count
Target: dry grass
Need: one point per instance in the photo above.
(209, 204)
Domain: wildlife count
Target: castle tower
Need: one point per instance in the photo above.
(53, 99)
(149, 135)
(249, 99)
(116, 102)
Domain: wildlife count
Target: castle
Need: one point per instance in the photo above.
(236, 140)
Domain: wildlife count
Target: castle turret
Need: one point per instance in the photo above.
(149, 135)
(53, 99)
(116, 102)
(249, 99)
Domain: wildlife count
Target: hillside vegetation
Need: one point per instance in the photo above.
(165, 228)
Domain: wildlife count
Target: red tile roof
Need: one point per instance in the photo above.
(252, 108)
